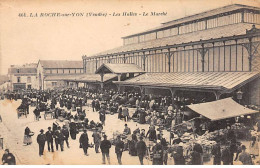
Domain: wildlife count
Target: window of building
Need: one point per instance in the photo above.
(18, 70)
(18, 79)
(29, 86)
(29, 79)
(54, 84)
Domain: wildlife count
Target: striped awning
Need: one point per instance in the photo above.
(217, 81)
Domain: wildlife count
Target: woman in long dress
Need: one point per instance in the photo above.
(27, 136)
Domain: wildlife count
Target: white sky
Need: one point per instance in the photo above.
(26, 40)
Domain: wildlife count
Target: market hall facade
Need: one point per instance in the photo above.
(222, 42)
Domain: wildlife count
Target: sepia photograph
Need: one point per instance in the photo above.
(133, 82)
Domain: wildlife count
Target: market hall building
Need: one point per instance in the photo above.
(51, 74)
(215, 53)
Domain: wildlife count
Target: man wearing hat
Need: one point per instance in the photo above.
(8, 158)
(66, 134)
(41, 139)
(158, 153)
(49, 138)
(141, 149)
(119, 148)
(96, 139)
(245, 157)
(83, 140)
(59, 138)
(105, 146)
(102, 116)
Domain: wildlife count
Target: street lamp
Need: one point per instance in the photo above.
(239, 95)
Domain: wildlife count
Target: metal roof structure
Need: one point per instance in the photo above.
(61, 64)
(221, 109)
(119, 68)
(87, 78)
(208, 34)
(224, 82)
(199, 16)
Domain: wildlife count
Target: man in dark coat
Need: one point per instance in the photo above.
(178, 156)
(41, 139)
(141, 150)
(49, 138)
(132, 144)
(8, 158)
(59, 139)
(93, 105)
(102, 115)
(151, 133)
(195, 158)
(198, 148)
(158, 154)
(66, 134)
(73, 130)
(119, 148)
(105, 146)
(142, 117)
(36, 112)
(225, 156)
(216, 152)
(83, 140)
(97, 105)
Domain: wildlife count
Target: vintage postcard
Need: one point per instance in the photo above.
(133, 82)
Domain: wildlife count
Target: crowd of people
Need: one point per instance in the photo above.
(160, 112)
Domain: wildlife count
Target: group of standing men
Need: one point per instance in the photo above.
(59, 136)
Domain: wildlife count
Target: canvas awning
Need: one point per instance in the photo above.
(221, 109)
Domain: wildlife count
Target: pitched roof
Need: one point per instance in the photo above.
(212, 33)
(91, 78)
(221, 109)
(195, 17)
(119, 68)
(61, 64)
(221, 81)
